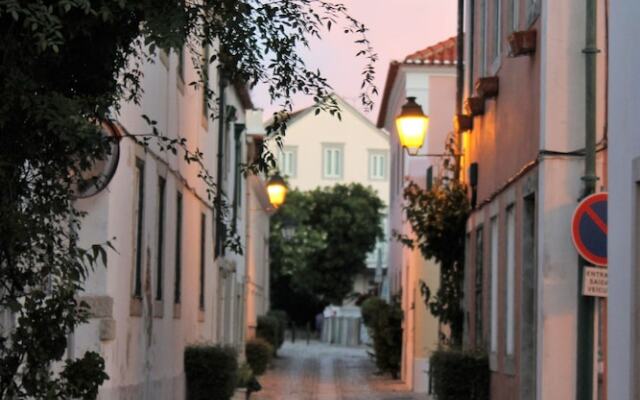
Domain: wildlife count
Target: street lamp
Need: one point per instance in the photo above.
(277, 190)
(412, 125)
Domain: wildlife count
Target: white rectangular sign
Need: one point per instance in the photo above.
(595, 282)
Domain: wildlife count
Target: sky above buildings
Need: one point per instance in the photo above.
(396, 29)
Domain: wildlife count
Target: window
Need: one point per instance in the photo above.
(497, 29)
(493, 341)
(510, 281)
(237, 176)
(483, 38)
(478, 287)
(178, 261)
(203, 229)
(288, 161)
(205, 79)
(515, 15)
(180, 68)
(533, 10)
(429, 177)
(529, 284)
(137, 283)
(161, 206)
(377, 165)
(332, 161)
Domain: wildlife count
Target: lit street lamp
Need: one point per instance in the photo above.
(277, 190)
(412, 125)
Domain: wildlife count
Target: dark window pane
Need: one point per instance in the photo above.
(178, 261)
(137, 287)
(161, 205)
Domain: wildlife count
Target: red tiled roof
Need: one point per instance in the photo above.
(440, 53)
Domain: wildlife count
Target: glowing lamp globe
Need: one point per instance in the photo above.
(277, 190)
(412, 125)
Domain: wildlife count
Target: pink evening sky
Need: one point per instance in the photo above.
(396, 29)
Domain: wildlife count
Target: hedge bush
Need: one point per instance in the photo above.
(459, 375)
(268, 328)
(384, 322)
(258, 352)
(283, 320)
(211, 371)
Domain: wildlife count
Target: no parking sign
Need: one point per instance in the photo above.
(589, 228)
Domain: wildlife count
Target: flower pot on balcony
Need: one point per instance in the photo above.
(474, 106)
(522, 43)
(462, 123)
(487, 87)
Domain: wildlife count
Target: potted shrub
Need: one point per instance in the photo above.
(269, 329)
(211, 371)
(258, 352)
(459, 374)
(463, 123)
(522, 43)
(474, 106)
(487, 87)
(247, 383)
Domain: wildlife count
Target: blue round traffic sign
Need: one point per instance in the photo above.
(589, 228)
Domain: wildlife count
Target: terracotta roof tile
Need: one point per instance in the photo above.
(441, 53)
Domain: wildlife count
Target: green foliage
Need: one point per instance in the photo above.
(283, 319)
(384, 322)
(211, 371)
(459, 375)
(335, 228)
(259, 353)
(268, 328)
(438, 218)
(369, 309)
(67, 66)
(247, 379)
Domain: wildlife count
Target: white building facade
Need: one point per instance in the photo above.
(170, 283)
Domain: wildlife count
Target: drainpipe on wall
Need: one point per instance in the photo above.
(459, 81)
(586, 309)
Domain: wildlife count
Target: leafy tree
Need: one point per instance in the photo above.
(335, 228)
(66, 66)
(438, 218)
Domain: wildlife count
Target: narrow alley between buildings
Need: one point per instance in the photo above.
(322, 372)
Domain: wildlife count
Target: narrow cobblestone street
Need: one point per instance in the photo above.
(321, 372)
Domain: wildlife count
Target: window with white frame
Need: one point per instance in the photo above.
(497, 29)
(377, 165)
(483, 38)
(288, 159)
(533, 10)
(510, 281)
(515, 15)
(493, 338)
(332, 161)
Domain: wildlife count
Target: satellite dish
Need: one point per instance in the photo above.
(95, 179)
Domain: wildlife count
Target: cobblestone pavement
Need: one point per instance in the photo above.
(322, 372)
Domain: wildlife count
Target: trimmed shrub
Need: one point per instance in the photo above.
(369, 309)
(458, 375)
(268, 329)
(258, 352)
(384, 322)
(211, 371)
(283, 320)
(247, 380)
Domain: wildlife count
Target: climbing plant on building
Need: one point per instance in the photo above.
(67, 66)
(438, 218)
